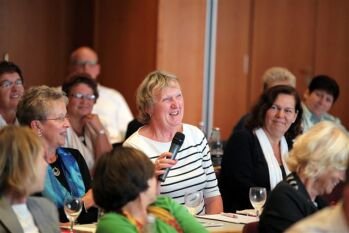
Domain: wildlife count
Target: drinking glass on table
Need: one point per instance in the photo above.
(72, 209)
(258, 196)
(192, 201)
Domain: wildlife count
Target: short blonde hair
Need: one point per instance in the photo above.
(36, 103)
(20, 148)
(278, 74)
(324, 146)
(154, 81)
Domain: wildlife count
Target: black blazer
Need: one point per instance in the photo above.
(243, 166)
(288, 203)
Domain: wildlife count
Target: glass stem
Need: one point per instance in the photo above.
(71, 226)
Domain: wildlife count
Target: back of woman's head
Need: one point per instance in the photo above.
(275, 75)
(120, 176)
(20, 148)
(323, 147)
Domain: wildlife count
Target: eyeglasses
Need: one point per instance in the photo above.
(60, 119)
(85, 63)
(8, 83)
(83, 96)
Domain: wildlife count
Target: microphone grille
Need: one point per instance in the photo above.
(178, 138)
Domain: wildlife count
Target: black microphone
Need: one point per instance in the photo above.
(176, 144)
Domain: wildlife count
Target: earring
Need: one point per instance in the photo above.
(39, 132)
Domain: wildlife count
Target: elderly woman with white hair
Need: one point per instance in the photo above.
(317, 161)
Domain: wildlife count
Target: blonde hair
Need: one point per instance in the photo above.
(20, 148)
(323, 147)
(36, 103)
(154, 81)
(277, 74)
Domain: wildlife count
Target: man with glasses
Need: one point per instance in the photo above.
(11, 91)
(111, 105)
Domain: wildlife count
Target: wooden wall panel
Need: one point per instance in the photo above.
(233, 36)
(283, 35)
(126, 42)
(180, 49)
(332, 49)
(37, 35)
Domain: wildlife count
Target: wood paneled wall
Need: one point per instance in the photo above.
(232, 53)
(125, 39)
(135, 37)
(39, 35)
(332, 50)
(180, 50)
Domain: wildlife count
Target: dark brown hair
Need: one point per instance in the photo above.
(120, 176)
(266, 100)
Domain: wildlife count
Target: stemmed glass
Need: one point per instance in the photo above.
(72, 209)
(192, 201)
(258, 196)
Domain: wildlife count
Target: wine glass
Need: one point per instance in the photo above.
(192, 201)
(72, 209)
(258, 196)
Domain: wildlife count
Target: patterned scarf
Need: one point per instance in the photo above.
(54, 190)
(159, 213)
(165, 216)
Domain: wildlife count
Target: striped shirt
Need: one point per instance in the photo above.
(193, 171)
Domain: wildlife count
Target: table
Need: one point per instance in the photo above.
(225, 228)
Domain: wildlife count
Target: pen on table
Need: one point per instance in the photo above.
(231, 215)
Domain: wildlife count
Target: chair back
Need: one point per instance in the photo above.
(251, 227)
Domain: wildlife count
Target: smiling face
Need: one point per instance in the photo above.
(80, 107)
(168, 108)
(318, 102)
(11, 91)
(54, 129)
(280, 115)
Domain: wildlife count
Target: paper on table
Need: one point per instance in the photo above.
(229, 217)
(250, 212)
(208, 223)
(84, 227)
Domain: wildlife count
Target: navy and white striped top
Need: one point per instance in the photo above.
(193, 171)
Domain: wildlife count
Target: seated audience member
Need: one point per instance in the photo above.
(161, 105)
(125, 187)
(111, 106)
(11, 91)
(272, 77)
(23, 170)
(132, 127)
(333, 219)
(86, 133)
(322, 93)
(44, 110)
(317, 161)
(256, 157)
